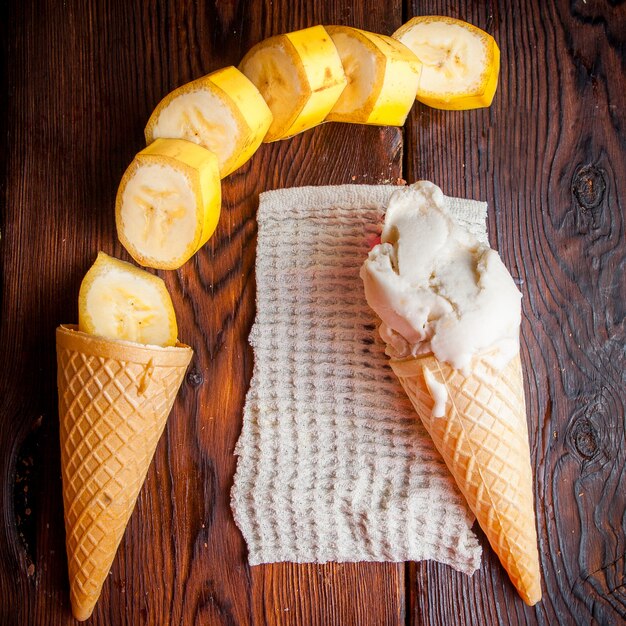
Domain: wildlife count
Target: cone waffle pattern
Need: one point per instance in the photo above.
(483, 439)
(114, 399)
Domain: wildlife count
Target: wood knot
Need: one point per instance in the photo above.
(588, 190)
(589, 436)
(588, 186)
(195, 378)
(585, 438)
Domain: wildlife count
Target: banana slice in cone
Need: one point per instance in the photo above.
(460, 62)
(223, 112)
(168, 203)
(383, 76)
(299, 75)
(120, 301)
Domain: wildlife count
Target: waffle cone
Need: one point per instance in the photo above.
(483, 438)
(114, 399)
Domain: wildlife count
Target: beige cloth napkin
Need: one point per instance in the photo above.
(333, 464)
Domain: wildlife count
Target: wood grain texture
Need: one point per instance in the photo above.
(81, 78)
(549, 157)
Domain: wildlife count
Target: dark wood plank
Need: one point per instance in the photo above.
(82, 78)
(549, 156)
(344, 593)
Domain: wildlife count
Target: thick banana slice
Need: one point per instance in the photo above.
(168, 203)
(382, 74)
(223, 112)
(461, 62)
(120, 301)
(299, 75)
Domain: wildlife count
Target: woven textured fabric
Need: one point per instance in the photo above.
(114, 400)
(333, 463)
(483, 438)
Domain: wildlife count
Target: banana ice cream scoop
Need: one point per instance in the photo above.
(450, 316)
(436, 288)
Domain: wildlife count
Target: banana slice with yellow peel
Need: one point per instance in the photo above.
(460, 62)
(120, 301)
(383, 76)
(299, 75)
(168, 203)
(223, 112)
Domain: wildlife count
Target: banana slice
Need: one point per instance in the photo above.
(461, 62)
(120, 301)
(168, 203)
(299, 75)
(382, 74)
(223, 112)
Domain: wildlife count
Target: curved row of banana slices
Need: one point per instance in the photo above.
(168, 202)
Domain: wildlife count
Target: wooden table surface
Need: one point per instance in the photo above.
(80, 80)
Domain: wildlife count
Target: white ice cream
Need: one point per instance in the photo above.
(438, 393)
(436, 288)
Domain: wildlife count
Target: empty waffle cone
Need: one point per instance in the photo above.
(483, 438)
(114, 399)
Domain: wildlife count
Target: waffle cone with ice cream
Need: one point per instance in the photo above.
(450, 317)
(114, 399)
(483, 438)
